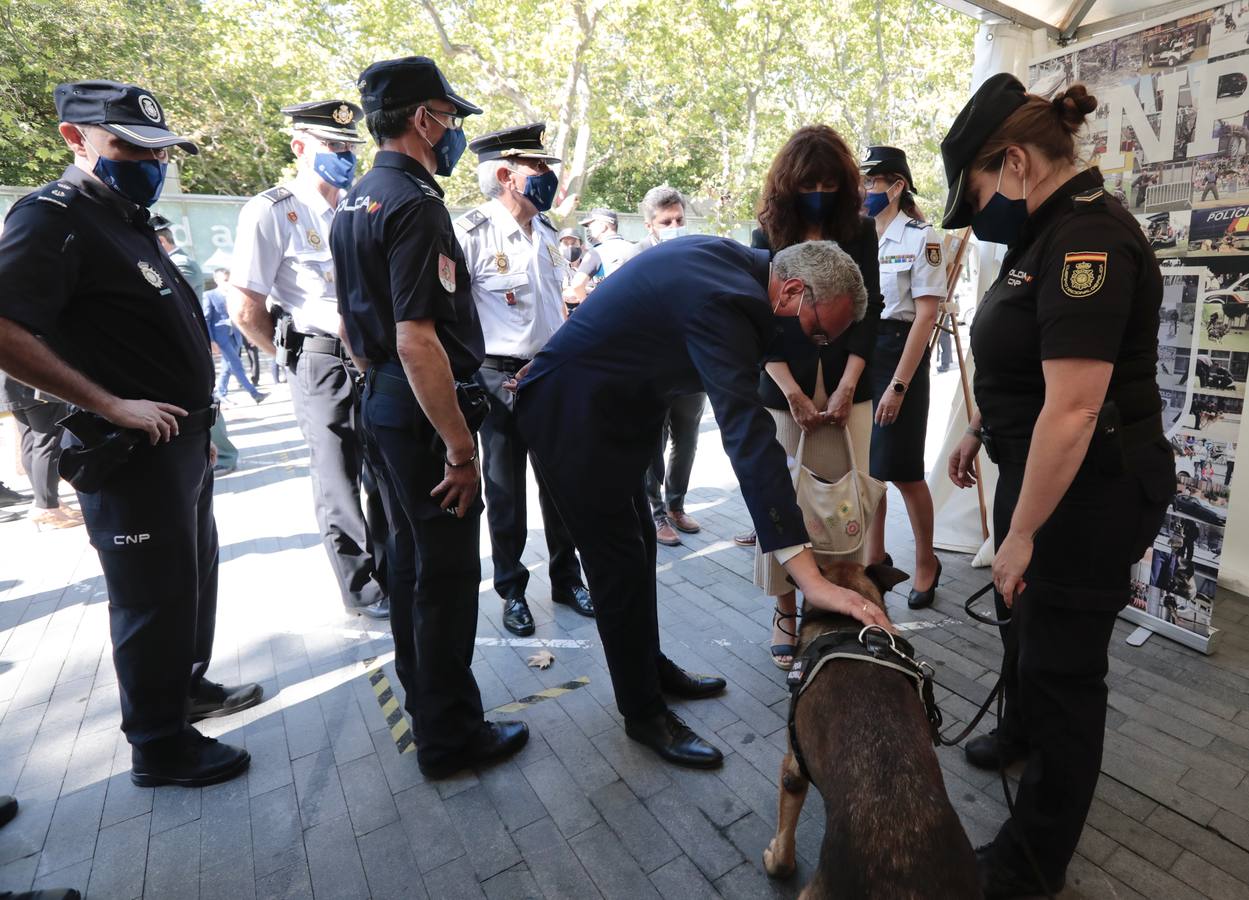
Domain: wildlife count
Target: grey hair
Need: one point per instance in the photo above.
(659, 197)
(488, 175)
(828, 272)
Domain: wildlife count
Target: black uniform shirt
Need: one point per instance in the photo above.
(396, 259)
(1080, 283)
(81, 267)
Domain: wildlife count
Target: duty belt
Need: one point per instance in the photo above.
(1014, 450)
(871, 644)
(504, 363)
(199, 421)
(314, 343)
(389, 382)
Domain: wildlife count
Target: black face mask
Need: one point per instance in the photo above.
(570, 252)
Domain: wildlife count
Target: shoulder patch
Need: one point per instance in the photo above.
(1083, 273)
(932, 253)
(916, 223)
(276, 194)
(471, 219)
(57, 193)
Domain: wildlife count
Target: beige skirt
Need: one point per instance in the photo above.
(824, 454)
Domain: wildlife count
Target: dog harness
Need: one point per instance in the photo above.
(871, 644)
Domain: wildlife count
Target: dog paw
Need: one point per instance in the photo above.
(774, 865)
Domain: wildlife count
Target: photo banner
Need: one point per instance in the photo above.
(1171, 136)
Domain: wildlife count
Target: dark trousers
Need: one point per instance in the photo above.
(505, 456)
(153, 527)
(945, 347)
(40, 438)
(325, 405)
(684, 418)
(434, 572)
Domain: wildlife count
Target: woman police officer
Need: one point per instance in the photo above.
(1066, 351)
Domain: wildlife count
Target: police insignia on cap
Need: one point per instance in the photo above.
(867, 154)
(343, 115)
(150, 275)
(1083, 273)
(932, 253)
(149, 107)
(446, 273)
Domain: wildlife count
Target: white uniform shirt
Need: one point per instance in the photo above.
(282, 249)
(517, 279)
(910, 266)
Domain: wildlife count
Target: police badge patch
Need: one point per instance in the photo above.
(150, 275)
(932, 253)
(446, 273)
(1083, 273)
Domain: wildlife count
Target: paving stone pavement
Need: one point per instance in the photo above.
(330, 809)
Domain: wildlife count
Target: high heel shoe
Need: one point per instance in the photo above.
(920, 599)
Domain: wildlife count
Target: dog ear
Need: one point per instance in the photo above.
(885, 577)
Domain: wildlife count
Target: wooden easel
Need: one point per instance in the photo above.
(947, 321)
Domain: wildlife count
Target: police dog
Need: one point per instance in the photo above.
(890, 830)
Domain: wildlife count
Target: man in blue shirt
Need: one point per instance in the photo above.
(221, 329)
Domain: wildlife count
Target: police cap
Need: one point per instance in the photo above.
(329, 120)
(159, 223)
(602, 214)
(887, 161)
(125, 110)
(569, 232)
(519, 142)
(396, 83)
(984, 113)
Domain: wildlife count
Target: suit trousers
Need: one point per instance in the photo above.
(434, 573)
(40, 438)
(504, 459)
(682, 423)
(153, 527)
(325, 405)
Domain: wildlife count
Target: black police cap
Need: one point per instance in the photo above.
(330, 120)
(984, 113)
(521, 141)
(396, 83)
(880, 160)
(125, 110)
(159, 222)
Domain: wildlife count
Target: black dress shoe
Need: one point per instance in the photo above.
(687, 685)
(517, 618)
(920, 599)
(1002, 882)
(991, 752)
(495, 741)
(211, 700)
(188, 759)
(578, 598)
(672, 739)
(378, 609)
(8, 809)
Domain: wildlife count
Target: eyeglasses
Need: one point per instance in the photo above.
(818, 335)
(453, 122)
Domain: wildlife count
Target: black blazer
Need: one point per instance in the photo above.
(791, 345)
(687, 315)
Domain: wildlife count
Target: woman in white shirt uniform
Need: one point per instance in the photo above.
(912, 280)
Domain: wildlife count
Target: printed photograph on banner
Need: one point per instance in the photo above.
(1218, 372)
(1191, 541)
(1178, 312)
(1172, 44)
(1177, 594)
(1202, 463)
(1224, 321)
(1167, 232)
(1229, 31)
(1213, 416)
(1221, 229)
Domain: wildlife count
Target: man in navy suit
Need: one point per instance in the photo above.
(692, 314)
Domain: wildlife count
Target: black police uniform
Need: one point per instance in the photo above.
(83, 269)
(1081, 282)
(396, 259)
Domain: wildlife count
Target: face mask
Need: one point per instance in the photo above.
(540, 189)
(814, 206)
(570, 252)
(670, 234)
(1002, 219)
(876, 203)
(138, 180)
(338, 169)
(448, 150)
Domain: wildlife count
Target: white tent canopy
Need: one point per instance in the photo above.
(1067, 20)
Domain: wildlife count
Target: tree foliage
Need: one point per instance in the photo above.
(635, 92)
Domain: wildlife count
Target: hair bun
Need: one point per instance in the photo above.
(1074, 105)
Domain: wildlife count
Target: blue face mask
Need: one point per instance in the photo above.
(876, 203)
(814, 206)
(540, 189)
(448, 150)
(338, 169)
(138, 180)
(671, 234)
(1002, 219)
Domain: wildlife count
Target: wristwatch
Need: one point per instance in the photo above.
(899, 386)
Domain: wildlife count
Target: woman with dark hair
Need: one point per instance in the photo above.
(812, 193)
(1066, 350)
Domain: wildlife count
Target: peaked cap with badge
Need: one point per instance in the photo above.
(518, 142)
(127, 111)
(881, 160)
(329, 120)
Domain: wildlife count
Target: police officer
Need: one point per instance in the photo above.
(687, 316)
(1065, 343)
(609, 252)
(282, 253)
(410, 320)
(94, 312)
(912, 281)
(516, 272)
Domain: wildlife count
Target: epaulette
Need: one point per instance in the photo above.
(58, 193)
(1094, 197)
(277, 194)
(916, 223)
(474, 218)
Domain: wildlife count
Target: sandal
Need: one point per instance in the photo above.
(779, 650)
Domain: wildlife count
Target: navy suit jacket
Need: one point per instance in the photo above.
(688, 315)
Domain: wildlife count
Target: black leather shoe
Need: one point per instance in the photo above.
(495, 741)
(1001, 882)
(687, 685)
(578, 598)
(188, 759)
(672, 739)
(920, 599)
(8, 809)
(989, 751)
(211, 700)
(517, 618)
(378, 609)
